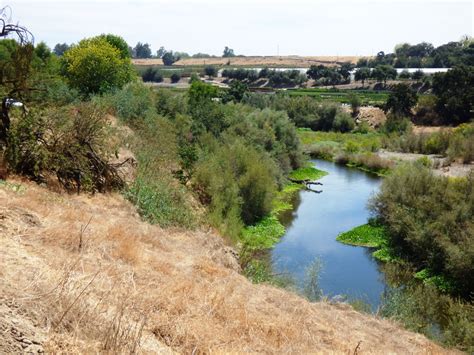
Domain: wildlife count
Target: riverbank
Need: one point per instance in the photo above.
(364, 151)
(425, 253)
(137, 287)
(266, 233)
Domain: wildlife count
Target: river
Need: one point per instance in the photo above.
(312, 228)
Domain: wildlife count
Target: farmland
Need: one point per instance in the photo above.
(367, 97)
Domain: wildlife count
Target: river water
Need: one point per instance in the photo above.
(312, 228)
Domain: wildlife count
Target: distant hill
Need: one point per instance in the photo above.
(260, 61)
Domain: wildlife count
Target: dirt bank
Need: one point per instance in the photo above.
(441, 166)
(83, 274)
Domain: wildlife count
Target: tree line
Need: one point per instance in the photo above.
(425, 55)
(144, 51)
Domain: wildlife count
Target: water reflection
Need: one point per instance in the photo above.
(312, 228)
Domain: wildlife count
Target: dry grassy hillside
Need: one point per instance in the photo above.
(272, 61)
(83, 274)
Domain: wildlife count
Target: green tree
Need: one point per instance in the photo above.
(207, 114)
(61, 48)
(354, 101)
(317, 72)
(160, 52)
(418, 75)
(169, 58)
(237, 90)
(362, 74)
(345, 70)
(142, 50)
(384, 72)
(455, 92)
(118, 42)
(210, 71)
(42, 51)
(405, 74)
(362, 62)
(228, 52)
(96, 66)
(401, 100)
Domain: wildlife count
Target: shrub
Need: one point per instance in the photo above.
(69, 143)
(371, 162)
(175, 77)
(429, 220)
(422, 308)
(355, 102)
(270, 131)
(243, 190)
(396, 124)
(170, 103)
(133, 102)
(363, 128)
(158, 196)
(210, 71)
(343, 122)
(152, 75)
(425, 111)
(55, 92)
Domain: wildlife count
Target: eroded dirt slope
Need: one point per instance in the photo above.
(83, 274)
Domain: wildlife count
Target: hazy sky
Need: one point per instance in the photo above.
(257, 27)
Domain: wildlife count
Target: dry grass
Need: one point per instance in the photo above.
(274, 61)
(132, 287)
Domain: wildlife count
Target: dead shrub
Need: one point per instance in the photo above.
(69, 142)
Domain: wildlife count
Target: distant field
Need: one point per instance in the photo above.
(367, 97)
(270, 61)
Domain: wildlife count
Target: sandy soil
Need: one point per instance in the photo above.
(374, 116)
(275, 61)
(440, 165)
(83, 274)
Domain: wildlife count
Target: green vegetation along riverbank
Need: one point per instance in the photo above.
(423, 234)
(258, 238)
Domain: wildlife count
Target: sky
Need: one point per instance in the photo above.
(250, 27)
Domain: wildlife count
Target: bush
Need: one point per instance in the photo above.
(210, 71)
(396, 124)
(158, 196)
(422, 308)
(175, 77)
(70, 143)
(55, 92)
(343, 122)
(429, 221)
(152, 75)
(287, 77)
(425, 111)
(240, 74)
(270, 131)
(455, 144)
(133, 102)
(170, 103)
(363, 128)
(355, 102)
(243, 190)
